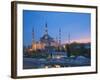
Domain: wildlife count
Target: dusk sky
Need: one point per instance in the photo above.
(78, 25)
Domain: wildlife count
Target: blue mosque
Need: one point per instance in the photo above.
(48, 44)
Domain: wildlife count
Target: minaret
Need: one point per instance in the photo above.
(59, 36)
(46, 29)
(33, 40)
(68, 46)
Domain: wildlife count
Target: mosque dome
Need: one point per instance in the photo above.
(46, 38)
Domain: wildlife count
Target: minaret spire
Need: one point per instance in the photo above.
(46, 29)
(59, 36)
(33, 35)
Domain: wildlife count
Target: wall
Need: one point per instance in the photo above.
(5, 41)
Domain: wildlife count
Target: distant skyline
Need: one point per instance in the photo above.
(78, 25)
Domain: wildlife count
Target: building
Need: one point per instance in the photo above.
(45, 41)
(37, 46)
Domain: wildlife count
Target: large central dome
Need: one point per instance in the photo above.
(46, 38)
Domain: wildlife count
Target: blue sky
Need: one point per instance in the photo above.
(77, 24)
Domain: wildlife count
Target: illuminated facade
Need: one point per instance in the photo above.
(45, 41)
(38, 46)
